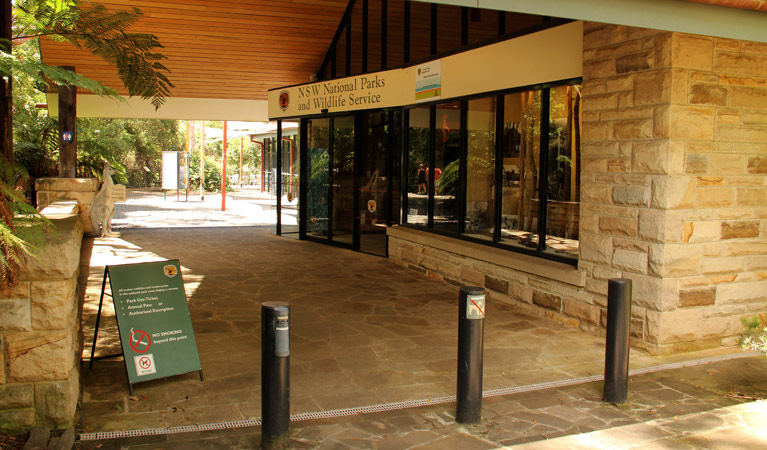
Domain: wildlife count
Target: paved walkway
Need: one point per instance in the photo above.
(364, 332)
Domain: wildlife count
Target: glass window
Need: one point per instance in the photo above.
(290, 185)
(357, 39)
(445, 179)
(521, 161)
(418, 160)
(480, 168)
(517, 22)
(420, 31)
(395, 34)
(563, 196)
(483, 25)
(343, 179)
(341, 54)
(318, 138)
(448, 28)
(374, 36)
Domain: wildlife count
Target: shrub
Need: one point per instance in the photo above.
(754, 336)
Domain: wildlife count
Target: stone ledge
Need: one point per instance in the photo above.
(59, 256)
(552, 270)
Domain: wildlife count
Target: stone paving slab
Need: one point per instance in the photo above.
(363, 331)
(718, 412)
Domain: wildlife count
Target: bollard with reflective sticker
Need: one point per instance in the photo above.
(471, 315)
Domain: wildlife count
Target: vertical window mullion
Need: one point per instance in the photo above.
(464, 26)
(462, 166)
(349, 43)
(501, 23)
(543, 169)
(356, 170)
(331, 150)
(433, 48)
(278, 183)
(333, 71)
(406, 49)
(430, 184)
(499, 142)
(364, 36)
(384, 32)
(404, 161)
(303, 157)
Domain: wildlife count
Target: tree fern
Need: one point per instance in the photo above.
(103, 33)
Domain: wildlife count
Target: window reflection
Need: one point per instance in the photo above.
(480, 169)
(521, 159)
(318, 137)
(445, 181)
(418, 160)
(563, 195)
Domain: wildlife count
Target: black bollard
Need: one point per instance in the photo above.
(275, 375)
(471, 315)
(617, 345)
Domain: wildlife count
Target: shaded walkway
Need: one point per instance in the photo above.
(363, 331)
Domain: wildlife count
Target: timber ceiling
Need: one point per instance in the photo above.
(233, 49)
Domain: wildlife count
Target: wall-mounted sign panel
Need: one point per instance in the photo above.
(546, 56)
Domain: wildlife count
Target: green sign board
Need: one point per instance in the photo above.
(153, 319)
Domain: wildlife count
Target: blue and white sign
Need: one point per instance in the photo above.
(66, 136)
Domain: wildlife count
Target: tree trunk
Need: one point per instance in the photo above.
(6, 83)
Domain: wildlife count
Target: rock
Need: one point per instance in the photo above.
(66, 440)
(38, 439)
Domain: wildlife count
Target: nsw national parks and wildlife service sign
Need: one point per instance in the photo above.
(369, 91)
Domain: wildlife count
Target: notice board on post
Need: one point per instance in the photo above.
(153, 320)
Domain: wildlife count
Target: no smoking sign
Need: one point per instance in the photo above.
(144, 364)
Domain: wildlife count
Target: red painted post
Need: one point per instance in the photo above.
(223, 172)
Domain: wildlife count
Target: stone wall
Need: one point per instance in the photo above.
(83, 190)
(673, 195)
(40, 336)
(674, 181)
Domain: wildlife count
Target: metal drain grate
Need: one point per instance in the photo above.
(400, 405)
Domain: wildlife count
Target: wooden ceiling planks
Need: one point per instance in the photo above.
(234, 49)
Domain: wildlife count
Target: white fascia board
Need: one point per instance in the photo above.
(670, 15)
(174, 108)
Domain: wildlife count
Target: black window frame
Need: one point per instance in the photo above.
(540, 250)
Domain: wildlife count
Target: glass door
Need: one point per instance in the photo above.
(317, 178)
(342, 200)
(378, 180)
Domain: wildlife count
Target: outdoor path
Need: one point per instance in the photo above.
(365, 331)
(710, 406)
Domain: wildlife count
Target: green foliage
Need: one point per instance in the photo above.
(448, 183)
(103, 33)
(317, 189)
(21, 226)
(212, 173)
(754, 335)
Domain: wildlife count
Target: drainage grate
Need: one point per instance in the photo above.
(400, 405)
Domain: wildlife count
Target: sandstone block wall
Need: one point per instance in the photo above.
(83, 190)
(674, 181)
(40, 336)
(673, 194)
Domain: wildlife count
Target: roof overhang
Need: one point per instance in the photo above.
(225, 56)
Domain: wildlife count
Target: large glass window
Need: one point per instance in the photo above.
(563, 195)
(531, 191)
(521, 144)
(445, 181)
(418, 143)
(480, 168)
